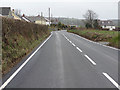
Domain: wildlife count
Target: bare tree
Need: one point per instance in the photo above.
(90, 17)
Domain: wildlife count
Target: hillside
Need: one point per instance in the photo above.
(71, 21)
(79, 22)
(19, 38)
(116, 22)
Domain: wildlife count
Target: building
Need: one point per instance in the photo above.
(54, 21)
(48, 22)
(25, 18)
(15, 16)
(107, 24)
(6, 12)
(37, 19)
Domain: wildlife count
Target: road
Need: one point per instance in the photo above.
(67, 60)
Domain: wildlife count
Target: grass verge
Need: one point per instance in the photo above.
(113, 37)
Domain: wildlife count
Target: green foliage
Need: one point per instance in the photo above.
(59, 25)
(96, 24)
(88, 25)
(18, 39)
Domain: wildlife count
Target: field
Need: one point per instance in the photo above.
(113, 37)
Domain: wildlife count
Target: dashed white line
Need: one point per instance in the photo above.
(90, 59)
(66, 37)
(18, 70)
(97, 43)
(78, 49)
(111, 80)
(105, 74)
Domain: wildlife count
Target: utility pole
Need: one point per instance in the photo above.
(49, 16)
(41, 17)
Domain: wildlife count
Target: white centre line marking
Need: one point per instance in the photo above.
(97, 43)
(79, 49)
(90, 60)
(18, 70)
(111, 80)
(66, 37)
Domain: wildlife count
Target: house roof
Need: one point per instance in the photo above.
(5, 10)
(35, 18)
(47, 20)
(26, 19)
(106, 23)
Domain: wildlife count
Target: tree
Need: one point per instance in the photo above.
(96, 24)
(59, 25)
(87, 25)
(90, 16)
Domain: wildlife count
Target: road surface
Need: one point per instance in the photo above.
(67, 60)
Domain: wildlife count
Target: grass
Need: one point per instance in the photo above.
(19, 38)
(113, 37)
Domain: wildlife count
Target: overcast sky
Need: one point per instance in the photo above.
(106, 9)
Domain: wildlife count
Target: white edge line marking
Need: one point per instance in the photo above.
(79, 49)
(97, 43)
(113, 82)
(90, 60)
(73, 44)
(70, 41)
(16, 72)
(67, 38)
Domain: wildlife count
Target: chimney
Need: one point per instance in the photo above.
(23, 15)
(13, 10)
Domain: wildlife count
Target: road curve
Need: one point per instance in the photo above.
(69, 61)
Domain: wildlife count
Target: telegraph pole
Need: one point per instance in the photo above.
(41, 17)
(49, 16)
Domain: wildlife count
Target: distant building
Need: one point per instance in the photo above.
(74, 26)
(107, 24)
(6, 12)
(48, 22)
(25, 18)
(15, 16)
(54, 21)
(38, 19)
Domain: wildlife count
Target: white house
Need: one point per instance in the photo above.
(37, 19)
(107, 24)
(48, 22)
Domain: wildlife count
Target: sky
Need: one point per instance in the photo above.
(105, 9)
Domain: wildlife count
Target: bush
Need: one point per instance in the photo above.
(18, 39)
